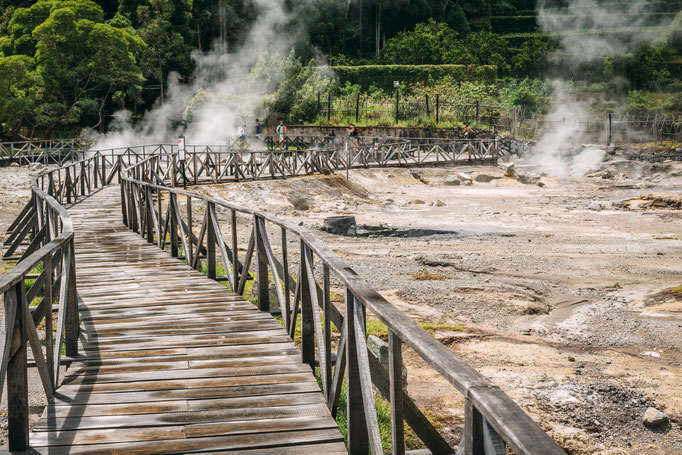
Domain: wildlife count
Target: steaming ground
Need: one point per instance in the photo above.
(563, 287)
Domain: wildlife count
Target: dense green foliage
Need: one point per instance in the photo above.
(383, 76)
(67, 64)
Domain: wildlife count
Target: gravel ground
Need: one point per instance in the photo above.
(541, 271)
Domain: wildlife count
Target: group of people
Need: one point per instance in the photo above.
(281, 130)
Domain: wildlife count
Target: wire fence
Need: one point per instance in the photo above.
(438, 111)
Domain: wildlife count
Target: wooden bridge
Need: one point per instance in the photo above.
(164, 359)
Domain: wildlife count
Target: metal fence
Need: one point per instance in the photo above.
(516, 121)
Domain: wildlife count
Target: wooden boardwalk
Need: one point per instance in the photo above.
(176, 363)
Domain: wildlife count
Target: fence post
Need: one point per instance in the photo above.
(655, 129)
(397, 103)
(608, 131)
(210, 242)
(427, 105)
(17, 377)
(478, 110)
(358, 439)
(318, 104)
(173, 227)
(72, 317)
(437, 107)
(307, 315)
(357, 107)
(261, 267)
(329, 107)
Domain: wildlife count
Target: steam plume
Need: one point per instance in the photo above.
(578, 26)
(219, 93)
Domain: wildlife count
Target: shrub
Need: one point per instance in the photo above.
(382, 76)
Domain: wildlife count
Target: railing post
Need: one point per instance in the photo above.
(261, 268)
(17, 374)
(307, 321)
(395, 373)
(173, 228)
(472, 438)
(358, 440)
(210, 242)
(72, 330)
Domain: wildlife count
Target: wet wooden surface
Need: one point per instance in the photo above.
(176, 363)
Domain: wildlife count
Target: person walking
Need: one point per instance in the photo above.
(282, 133)
(258, 128)
(242, 135)
(353, 133)
(331, 137)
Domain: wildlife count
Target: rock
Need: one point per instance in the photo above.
(607, 174)
(485, 178)
(452, 180)
(36, 167)
(440, 203)
(379, 348)
(510, 171)
(13, 164)
(466, 179)
(340, 225)
(571, 358)
(418, 202)
(655, 419)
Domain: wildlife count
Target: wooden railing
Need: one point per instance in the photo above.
(44, 275)
(302, 270)
(220, 164)
(57, 151)
(368, 149)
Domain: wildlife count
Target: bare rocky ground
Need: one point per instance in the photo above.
(563, 284)
(562, 288)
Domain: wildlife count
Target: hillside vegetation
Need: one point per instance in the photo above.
(69, 64)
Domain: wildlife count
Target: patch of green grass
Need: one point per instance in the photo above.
(383, 410)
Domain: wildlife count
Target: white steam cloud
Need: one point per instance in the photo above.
(579, 27)
(219, 96)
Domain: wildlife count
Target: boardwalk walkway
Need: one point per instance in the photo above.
(176, 362)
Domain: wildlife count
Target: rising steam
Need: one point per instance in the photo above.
(577, 26)
(219, 94)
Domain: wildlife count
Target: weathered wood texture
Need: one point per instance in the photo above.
(175, 362)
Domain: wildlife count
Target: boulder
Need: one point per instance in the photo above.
(655, 419)
(452, 180)
(485, 178)
(379, 348)
(340, 225)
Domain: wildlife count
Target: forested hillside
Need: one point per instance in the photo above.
(67, 64)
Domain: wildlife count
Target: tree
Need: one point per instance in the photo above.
(165, 46)
(20, 88)
(79, 59)
(428, 43)
(531, 60)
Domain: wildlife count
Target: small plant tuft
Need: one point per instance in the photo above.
(424, 275)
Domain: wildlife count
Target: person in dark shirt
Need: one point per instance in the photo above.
(258, 128)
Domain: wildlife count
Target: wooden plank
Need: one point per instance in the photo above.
(280, 440)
